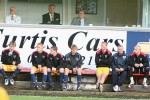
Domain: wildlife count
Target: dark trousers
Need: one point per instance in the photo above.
(142, 70)
(118, 78)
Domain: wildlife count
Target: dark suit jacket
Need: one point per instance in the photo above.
(46, 19)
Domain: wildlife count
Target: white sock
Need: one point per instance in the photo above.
(132, 80)
(144, 80)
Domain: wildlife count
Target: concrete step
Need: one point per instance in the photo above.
(26, 85)
(121, 95)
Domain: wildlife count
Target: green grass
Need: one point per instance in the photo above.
(61, 98)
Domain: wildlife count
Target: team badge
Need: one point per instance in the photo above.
(124, 57)
(14, 56)
(140, 59)
(43, 56)
(77, 59)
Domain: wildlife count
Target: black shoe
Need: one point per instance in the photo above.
(36, 87)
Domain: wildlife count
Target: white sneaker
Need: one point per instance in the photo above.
(145, 84)
(119, 89)
(115, 88)
(6, 81)
(131, 85)
(12, 81)
(101, 88)
(97, 85)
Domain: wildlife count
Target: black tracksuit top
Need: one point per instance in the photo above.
(103, 59)
(8, 59)
(39, 58)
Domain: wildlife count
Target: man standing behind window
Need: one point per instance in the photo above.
(51, 17)
(13, 18)
(81, 20)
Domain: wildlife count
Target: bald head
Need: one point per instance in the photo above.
(137, 49)
(12, 10)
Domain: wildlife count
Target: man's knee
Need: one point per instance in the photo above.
(48, 70)
(32, 71)
(1, 66)
(79, 70)
(19, 66)
(45, 70)
(61, 70)
(66, 71)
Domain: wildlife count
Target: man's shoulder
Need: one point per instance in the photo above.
(68, 54)
(76, 18)
(47, 14)
(78, 54)
(5, 50)
(56, 14)
(115, 54)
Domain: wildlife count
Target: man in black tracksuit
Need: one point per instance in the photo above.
(55, 63)
(73, 62)
(103, 64)
(119, 68)
(10, 58)
(138, 63)
(39, 64)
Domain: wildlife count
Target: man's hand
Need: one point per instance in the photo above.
(13, 62)
(121, 69)
(53, 69)
(99, 59)
(132, 69)
(39, 66)
(117, 69)
(141, 65)
(137, 65)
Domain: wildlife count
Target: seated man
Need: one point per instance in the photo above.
(39, 63)
(51, 17)
(10, 58)
(55, 63)
(73, 63)
(138, 63)
(81, 20)
(103, 63)
(13, 18)
(119, 68)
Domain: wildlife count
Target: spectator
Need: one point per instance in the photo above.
(51, 17)
(81, 20)
(13, 18)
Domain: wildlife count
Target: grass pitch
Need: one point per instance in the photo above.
(62, 98)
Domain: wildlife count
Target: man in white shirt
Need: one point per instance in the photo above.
(13, 18)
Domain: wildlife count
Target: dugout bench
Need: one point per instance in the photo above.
(85, 72)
